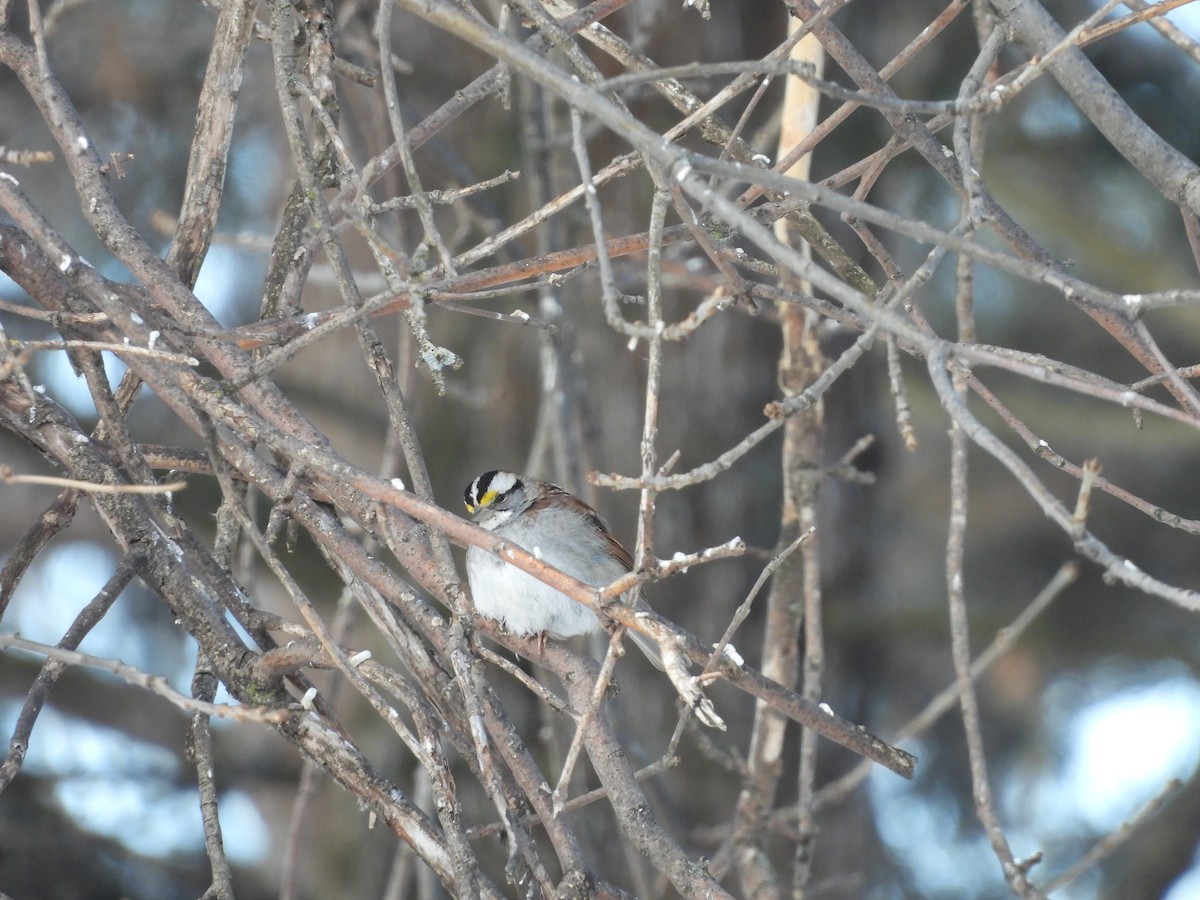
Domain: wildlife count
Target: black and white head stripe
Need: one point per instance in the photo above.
(488, 488)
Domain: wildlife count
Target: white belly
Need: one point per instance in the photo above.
(521, 603)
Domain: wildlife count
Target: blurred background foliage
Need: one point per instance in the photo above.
(1064, 773)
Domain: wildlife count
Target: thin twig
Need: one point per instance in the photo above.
(1115, 839)
(1004, 640)
(10, 477)
(156, 684)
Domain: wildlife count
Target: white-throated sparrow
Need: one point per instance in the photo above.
(557, 527)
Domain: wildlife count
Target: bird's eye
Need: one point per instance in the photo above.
(491, 498)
